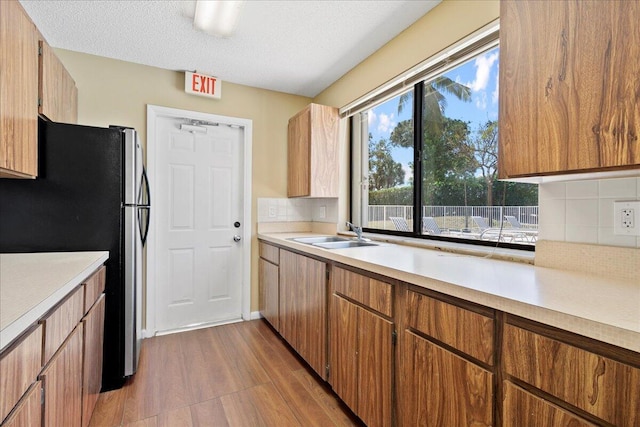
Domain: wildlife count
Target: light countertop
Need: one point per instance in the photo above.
(598, 307)
(31, 284)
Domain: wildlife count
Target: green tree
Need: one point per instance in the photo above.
(485, 147)
(384, 172)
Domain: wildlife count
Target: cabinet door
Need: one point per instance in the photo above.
(268, 281)
(92, 371)
(439, 388)
(289, 296)
(62, 383)
(568, 93)
(343, 358)
(375, 370)
(299, 154)
(312, 308)
(18, 92)
(29, 411)
(522, 409)
(57, 90)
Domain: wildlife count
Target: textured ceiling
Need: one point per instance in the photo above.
(298, 47)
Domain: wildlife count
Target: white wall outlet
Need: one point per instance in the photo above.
(273, 211)
(626, 218)
(322, 212)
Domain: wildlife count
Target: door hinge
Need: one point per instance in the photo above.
(41, 395)
(326, 372)
(39, 50)
(327, 274)
(39, 102)
(394, 337)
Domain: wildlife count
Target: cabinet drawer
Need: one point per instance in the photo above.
(608, 389)
(59, 323)
(373, 293)
(19, 367)
(270, 253)
(462, 329)
(523, 409)
(93, 287)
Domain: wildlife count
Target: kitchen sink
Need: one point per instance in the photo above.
(319, 239)
(344, 244)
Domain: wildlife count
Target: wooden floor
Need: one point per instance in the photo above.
(242, 374)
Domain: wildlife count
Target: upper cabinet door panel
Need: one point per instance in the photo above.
(58, 93)
(569, 87)
(18, 92)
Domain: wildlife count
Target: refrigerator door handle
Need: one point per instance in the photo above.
(144, 181)
(145, 232)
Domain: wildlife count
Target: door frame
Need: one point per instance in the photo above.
(154, 112)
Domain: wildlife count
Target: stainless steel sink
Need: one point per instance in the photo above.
(344, 244)
(319, 239)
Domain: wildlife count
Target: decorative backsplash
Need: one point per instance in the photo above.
(582, 211)
(297, 210)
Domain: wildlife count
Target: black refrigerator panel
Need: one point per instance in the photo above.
(74, 205)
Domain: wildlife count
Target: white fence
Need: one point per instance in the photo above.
(453, 217)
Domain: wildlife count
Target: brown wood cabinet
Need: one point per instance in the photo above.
(303, 307)
(18, 92)
(62, 383)
(591, 381)
(57, 91)
(93, 327)
(59, 323)
(313, 152)
(442, 381)
(19, 366)
(523, 409)
(569, 89)
(361, 346)
(29, 411)
(269, 283)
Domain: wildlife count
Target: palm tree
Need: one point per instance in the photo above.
(435, 102)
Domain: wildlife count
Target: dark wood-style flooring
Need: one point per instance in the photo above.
(242, 374)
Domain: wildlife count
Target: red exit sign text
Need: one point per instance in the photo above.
(202, 85)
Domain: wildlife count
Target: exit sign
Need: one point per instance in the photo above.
(202, 85)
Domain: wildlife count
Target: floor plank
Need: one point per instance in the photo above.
(235, 375)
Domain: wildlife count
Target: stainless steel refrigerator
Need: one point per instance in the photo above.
(91, 194)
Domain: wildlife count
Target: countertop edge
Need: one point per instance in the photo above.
(611, 334)
(19, 326)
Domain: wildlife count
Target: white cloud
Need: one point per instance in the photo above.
(481, 100)
(371, 117)
(407, 173)
(385, 123)
(494, 94)
(483, 66)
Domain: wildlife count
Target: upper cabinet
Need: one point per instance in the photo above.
(57, 90)
(569, 87)
(313, 152)
(28, 78)
(18, 92)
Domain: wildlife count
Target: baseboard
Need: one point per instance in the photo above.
(256, 315)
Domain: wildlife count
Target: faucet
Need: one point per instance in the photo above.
(356, 229)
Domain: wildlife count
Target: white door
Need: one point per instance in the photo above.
(198, 224)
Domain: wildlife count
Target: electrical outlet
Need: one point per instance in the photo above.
(273, 211)
(626, 218)
(322, 212)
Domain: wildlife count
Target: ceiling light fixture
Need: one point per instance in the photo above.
(217, 17)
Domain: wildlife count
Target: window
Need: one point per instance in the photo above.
(425, 162)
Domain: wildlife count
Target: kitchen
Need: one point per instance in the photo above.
(102, 82)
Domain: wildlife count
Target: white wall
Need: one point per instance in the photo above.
(582, 211)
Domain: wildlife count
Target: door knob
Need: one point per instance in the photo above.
(237, 238)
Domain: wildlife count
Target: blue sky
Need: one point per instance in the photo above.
(480, 75)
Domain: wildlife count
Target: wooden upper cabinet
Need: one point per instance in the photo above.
(57, 90)
(313, 152)
(18, 92)
(569, 87)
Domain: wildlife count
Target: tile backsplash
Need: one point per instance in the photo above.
(582, 211)
(297, 210)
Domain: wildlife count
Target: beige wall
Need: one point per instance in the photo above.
(117, 92)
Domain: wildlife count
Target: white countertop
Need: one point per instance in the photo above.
(31, 284)
(597, 307)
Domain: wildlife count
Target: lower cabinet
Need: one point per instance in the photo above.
(361, 347)
(303, 307)
(29, 411)
(446, 376)
(269, 292)
(93, 327)
(523, 409)
(62, 383)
